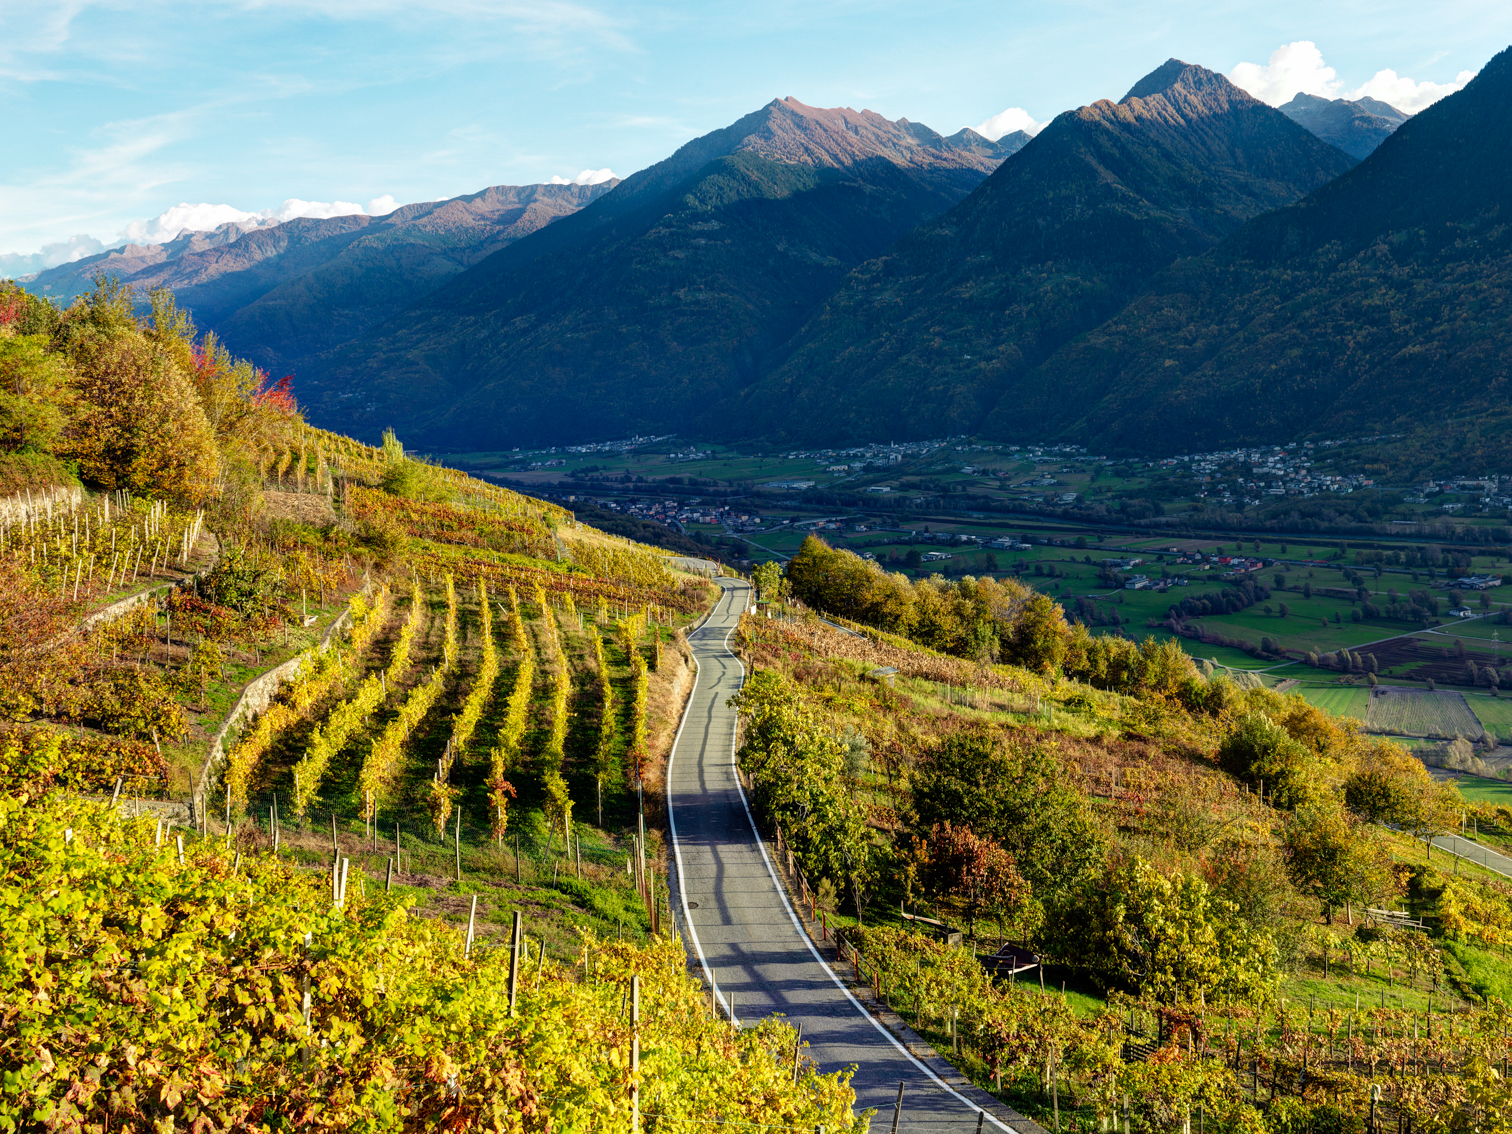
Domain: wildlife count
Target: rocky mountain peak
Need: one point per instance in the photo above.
(1189, 90)
(798, 134)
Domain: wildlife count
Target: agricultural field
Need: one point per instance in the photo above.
(1495, 714)
(1339, 700)
(1419, 712)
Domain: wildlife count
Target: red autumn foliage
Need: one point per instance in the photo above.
(277, 396)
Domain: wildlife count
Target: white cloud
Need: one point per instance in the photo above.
(1006, 122)
(1404, 94)
(587, 177)
(1299, 68)
(1294, 68)
(185, 217)
(50, 256)
(204, 217)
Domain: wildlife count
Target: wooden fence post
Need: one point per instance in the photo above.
(635, 1054)
(514, 964)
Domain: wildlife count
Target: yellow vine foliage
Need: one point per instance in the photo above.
(399, 659)
(196, 972)
(318, 676)
(505, 754)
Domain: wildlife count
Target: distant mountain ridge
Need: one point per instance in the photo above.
(1357, 127)
(66, 281)
(933, 336)
(664, 297)
(280, 293)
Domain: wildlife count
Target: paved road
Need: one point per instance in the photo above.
(1474, 852)
(738, 923)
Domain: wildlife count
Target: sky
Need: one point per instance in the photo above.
(134, 119)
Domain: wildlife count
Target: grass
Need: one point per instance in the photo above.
(1340, 700)
(1479, 790)
(1495, 714)
(1482, 971)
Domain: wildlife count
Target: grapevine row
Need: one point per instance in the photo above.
(380, 770)
(630, 630)
(399, 659)
(558, 799)
(503, 756)
(325, 672)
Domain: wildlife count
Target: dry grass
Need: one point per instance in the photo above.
(302, 506)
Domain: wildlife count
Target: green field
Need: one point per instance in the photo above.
(1340, 700)
(1495, 714)
(1479, 790)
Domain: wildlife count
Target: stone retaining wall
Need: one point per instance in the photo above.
(255, 699)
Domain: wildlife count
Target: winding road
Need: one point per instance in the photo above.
(743, 934)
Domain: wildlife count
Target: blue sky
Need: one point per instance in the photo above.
(115, 112)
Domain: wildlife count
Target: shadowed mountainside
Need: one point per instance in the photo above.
(662, 299)
(1378, 303)
(929, 338)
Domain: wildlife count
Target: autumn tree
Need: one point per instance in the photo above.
(965, 872)
(1015, 794)
(36, 389)
(1334, 858)
(798, 773)
(1170, 936)
(137, 424)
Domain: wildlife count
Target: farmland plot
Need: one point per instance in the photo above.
(1413, 712)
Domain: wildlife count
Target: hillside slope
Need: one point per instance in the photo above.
(927, 339)
(1379, 303)
(648, 309)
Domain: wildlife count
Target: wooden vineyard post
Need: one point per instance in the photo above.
(458, 838)
(514, 964)
(897, 1108)
(635, 1054)
(388, 877)
(797, 1052)
(472, 919)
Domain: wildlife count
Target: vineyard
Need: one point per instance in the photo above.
(1156, 1063)
(319, 778)
(1413, 712)
(254, 996)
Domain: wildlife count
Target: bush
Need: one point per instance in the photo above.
(1259, 751)
(243, 581)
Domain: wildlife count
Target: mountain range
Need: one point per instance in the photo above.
(1379, 303)
(283, 293)
(665, 297)
(1179, 269)
(932, 337)
(1356, 127)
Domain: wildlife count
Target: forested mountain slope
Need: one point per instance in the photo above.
(1379, 302)
(648, 309)
(928, 338)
